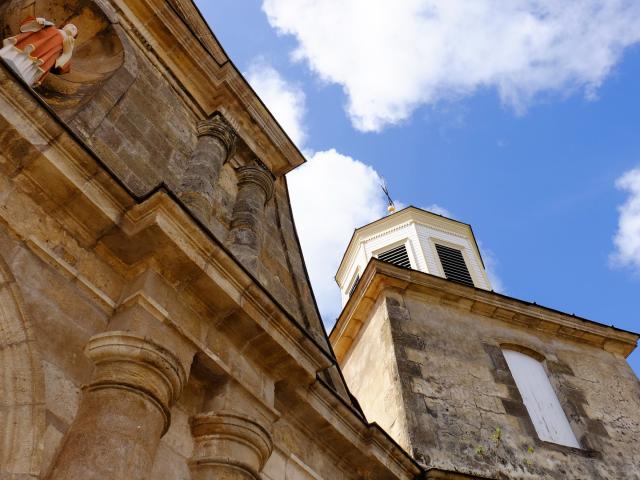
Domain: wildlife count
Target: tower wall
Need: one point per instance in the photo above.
(371, 369)
(463, 410)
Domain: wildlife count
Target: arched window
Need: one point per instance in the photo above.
(540, 399)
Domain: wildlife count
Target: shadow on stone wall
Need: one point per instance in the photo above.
(22, 420)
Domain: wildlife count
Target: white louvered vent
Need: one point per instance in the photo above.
(355, 284)
(397, 256)
(455, 269)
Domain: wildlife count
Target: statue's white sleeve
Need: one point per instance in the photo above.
(35, 25)
(67, 49)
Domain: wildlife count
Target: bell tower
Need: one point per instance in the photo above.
(416, 239)
(472, 381)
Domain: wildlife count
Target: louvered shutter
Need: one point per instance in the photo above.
(540, 399)
(397, 256)
(354, 285)
(455, 269)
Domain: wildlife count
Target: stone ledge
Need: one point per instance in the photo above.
(380, 276)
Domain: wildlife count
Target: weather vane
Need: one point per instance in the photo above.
(391, 207)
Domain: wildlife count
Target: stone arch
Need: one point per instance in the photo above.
(22, 421)
(527, 350)
(101, 59)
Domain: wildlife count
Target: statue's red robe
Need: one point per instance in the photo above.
(47, 46)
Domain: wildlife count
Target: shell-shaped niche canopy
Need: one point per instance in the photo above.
(97, 55)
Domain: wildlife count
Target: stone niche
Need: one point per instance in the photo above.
(99, 61)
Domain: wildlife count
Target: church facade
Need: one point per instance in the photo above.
(156, 317)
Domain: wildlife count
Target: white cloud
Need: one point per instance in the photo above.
(331, 195)
(491, 267)
(627, 238)
(285, 101)
(391, 57)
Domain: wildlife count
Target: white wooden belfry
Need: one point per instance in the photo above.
(419, 232)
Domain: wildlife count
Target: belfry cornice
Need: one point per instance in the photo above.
(380, 276)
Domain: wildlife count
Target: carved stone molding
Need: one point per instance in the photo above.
(130, 362)
(255, 188)
(124, 410)
(228, 445)
(217, 126)
(256, 174)
(216, 144)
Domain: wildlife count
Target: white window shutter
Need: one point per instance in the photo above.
(540, 399)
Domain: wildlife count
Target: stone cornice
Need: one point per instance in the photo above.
(437, 474)
(317, 408)
(380, 276)
(173, 34)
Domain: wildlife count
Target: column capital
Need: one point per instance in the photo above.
(257, 174)
(127, 361)
(216, 434)
(217, 126)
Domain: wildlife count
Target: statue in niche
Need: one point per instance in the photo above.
(39, 48)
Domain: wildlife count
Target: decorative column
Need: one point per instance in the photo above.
(228, 446)
(255, 188)
(124, 411)
(216, 143)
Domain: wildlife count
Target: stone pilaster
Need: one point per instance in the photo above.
(228, 446)
(255, 188)
(124, 411)
(216, 143)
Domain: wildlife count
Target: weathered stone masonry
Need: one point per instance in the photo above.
(461, 408)
(216, 143)
(156, 319)
(255, 189)
(168, 329)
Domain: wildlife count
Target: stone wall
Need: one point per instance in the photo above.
(140, 123)
(466, 414)
(144, 334)
(372, 368)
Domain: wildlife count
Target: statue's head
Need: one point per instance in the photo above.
(71, 29)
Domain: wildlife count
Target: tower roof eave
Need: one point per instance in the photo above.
(379, 276)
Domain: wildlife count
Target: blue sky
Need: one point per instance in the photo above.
(530, 152)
